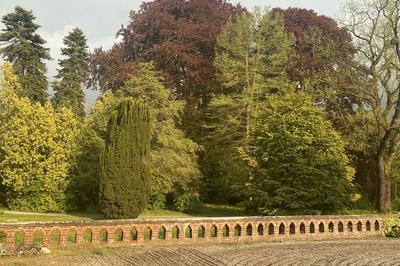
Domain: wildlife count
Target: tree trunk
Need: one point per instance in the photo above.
(383, 173)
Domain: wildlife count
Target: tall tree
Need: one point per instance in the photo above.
(251, 57)
(24, 48)
(124, 171)
(36, 149)
(179, 36)
(298, 161)
(375, 26)
(309, 28)
(73, 73)
(174, 173)
(323, 64)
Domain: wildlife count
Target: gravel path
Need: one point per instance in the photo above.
(378, 251)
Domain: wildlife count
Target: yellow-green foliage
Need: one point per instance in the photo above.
(36, 148)
(392, 226)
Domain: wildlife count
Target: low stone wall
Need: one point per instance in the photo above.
(186, 231)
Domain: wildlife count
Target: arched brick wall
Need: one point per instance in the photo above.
(137, 232)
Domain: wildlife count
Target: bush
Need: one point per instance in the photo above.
(391, 227)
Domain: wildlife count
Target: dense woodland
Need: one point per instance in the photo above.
(278, 111)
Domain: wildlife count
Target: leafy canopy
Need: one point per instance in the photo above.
(36, 148)
(298, 161)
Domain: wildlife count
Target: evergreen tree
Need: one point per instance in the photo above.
(73, 73)
(124, 179)
(24, 48)
(251, 57)
(174, 172)
(298, 161)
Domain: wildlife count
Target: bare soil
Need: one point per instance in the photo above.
(379, 251)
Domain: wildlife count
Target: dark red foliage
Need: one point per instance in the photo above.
(109, 69)
(300, 22)
(179, 36)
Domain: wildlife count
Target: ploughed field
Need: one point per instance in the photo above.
(374, 251)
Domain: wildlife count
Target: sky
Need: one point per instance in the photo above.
(101, 19)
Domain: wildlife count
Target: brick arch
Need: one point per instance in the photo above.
(238, 230)
(103, 235)
(377, 225)
(87, 235)
(55, 236)
(282, 228)
(340, 227)
(19, 236)
(201, 231)
(331, 227)
(311, 227)
(260, 229)
(292, 228)
(321, 227)
(188, 232)
(213, 230)
(350, 226)
(225, 230)
(302, 228)
(359, 226)
(249, 229)
(133, 233)
(162, 232)
(271, 229)
(118, 234)
(175, 232)
(38, 236)
(72, 235)
(147, 233)
(368, 226)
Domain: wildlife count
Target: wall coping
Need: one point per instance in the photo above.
(189, 220)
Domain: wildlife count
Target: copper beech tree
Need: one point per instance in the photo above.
(180, 37)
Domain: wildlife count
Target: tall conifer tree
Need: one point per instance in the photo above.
(250, 59)
(24, 48)
(73, 73)
(125, 162)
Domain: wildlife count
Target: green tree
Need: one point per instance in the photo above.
(251, 56)
(83, 190)
(73, 73)
(174, 173)
(174, 170)
(124, 164)
(298, 161)
(24, 48)
(36, 149)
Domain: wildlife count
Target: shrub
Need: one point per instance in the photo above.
(391, 227)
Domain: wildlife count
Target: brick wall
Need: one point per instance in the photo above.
(186, 231)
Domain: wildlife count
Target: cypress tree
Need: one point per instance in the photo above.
(124, 172)
(73, 73)
(23, 47)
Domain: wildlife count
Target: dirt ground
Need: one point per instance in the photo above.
(381, 251)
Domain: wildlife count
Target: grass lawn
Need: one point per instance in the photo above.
(207, 210)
